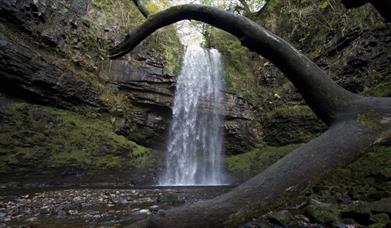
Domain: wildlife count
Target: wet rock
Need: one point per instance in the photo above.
(381, 218)
(45, 82)
(145, 83)
(154, 208)
(322, 213)
(281, 218)
(80, 6)
(44, 210)
(240, 135)
(32, 219)
(144, 211)
(123, 201)
(291, 124)
(170, 199)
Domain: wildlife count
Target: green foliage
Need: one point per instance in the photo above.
(272, 5)
(102, 4)
(253, 162)
(324, 4)
(151, 7)
(371, 120)
(165, 45)
(380, 90)
(239, 76)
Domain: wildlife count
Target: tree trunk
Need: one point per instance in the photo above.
(355, 124)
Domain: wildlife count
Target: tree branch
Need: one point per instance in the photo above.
(356, 123)
(286, 178)
(144, 11)
(328, 100)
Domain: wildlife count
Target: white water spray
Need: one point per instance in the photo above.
(194, 149)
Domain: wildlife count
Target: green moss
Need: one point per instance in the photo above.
(364, 179)
(248, 164)
(381, 218)
(381, 90)
(239, 62)
(9, 35)
(291, 111)
(102, 4)
(370, 119)
(272, 5)
(324, 214)
(40, 138)
(165, 45)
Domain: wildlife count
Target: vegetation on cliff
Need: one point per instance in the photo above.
(39, 140)
(55, 55)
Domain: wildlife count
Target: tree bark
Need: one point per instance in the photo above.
(355, 124)
(143, 10)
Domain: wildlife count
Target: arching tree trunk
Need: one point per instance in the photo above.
(355, 124)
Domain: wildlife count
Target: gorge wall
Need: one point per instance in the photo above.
(69, 115)
(352, 45)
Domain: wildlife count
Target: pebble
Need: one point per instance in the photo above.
(94, 207)
(123, 201)
(144, 211)
(154, 207)
(32, 219)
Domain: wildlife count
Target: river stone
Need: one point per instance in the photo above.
(282, 218)
(322, 213)
(382, 218)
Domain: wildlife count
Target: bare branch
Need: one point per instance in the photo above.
(144, 11)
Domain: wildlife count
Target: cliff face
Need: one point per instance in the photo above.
(353, 46)
(69, 113)
(57, 107)
(151, 90)
(53, 54)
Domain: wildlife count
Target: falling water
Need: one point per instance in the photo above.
(194, 149)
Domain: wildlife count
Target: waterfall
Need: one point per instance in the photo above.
(194, 148)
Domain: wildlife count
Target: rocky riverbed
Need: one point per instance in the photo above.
(93, 207)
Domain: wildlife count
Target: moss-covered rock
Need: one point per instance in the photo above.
(48, 144)
(368, 178)
(322, 213)
(351, 45)
(239, 73)
(282, 218)
(56, 55)
(253, 162)
(291, 124)
(358, 194)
